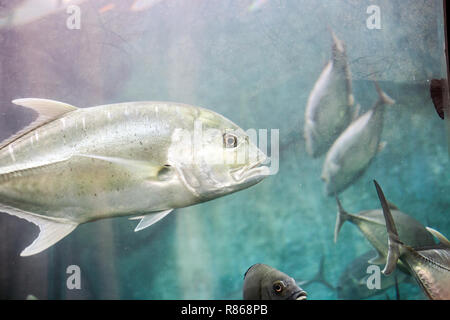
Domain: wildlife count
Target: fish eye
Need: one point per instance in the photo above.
(278, 286)
(230, 140)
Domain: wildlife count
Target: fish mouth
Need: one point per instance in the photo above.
(251, 172)
(299, 295)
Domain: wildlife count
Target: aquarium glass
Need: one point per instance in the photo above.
(258, 63)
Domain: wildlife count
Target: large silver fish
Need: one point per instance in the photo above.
(429, 265)
(330, 106)
(352, 152)
(371, 224)
(262, 282)
(141, 159)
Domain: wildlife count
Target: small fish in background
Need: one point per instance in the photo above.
(330, 107)
(430, 265)
(371, 224)
(141, 159)
(262, 282)
(352, 283)
(351, 154)
(439, 95)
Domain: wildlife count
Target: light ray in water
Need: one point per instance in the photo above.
(141, 5)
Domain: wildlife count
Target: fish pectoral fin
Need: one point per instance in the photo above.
(149, 219)
(439, 236)
(51, 231)
(47, 110)
(142, 166)
(378, 259)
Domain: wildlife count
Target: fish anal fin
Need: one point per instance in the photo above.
(150, 219)
(51, 230)
(47, 110)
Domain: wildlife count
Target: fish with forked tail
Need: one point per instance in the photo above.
(371, 224)
(352, 152)
(143, 159)
(319, 277)
(262, 282)
(330, 107)
(429, 265)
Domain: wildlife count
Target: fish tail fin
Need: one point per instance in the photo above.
(338, 45)
(51, 230)
(341, 217)
(394, 242)
(383, 98)
(319, 277)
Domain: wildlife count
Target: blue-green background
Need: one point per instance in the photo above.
(257, 68)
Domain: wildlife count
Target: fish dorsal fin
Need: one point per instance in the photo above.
(47, 110)
(439, 236)
(51, 231)
(149, 219)
(394, 242)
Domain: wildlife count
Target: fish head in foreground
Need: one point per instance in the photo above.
(217, 157)
(262, 282)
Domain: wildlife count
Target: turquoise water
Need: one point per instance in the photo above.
(257, 68)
